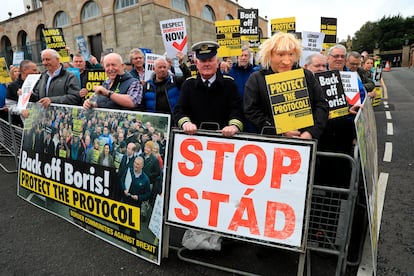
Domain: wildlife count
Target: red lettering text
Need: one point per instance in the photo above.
(246, 205)
(215, 200)
(191, 156)
(261, 165)
(271, 216)
(185, 202)
(279, 169)
(220, 149)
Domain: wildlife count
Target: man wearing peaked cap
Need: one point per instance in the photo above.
(209, 97)
(205, 49)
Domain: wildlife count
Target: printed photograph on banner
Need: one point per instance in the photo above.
(229, 38)
(251, 188)
(331, 84)
(289, 98)
(351, 88)
(102, 170)
(55, 40)
(174, 36)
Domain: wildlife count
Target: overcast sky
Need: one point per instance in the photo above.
(351, 14)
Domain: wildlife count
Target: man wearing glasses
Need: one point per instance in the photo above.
(353, 62)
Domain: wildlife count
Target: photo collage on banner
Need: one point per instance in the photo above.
(75, 164)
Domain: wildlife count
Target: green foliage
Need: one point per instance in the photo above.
(389, 33)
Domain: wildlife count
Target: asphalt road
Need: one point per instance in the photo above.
(396, 239)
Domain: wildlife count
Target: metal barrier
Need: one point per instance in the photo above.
(10, 142)
(331, 213)
(330, 224)
(332, 210)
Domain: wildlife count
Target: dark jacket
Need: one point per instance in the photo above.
(168, 87)
(139, 186)
(220, 103)
(163, 96)
(13, 87)
(63, 89)
(258, 110)
(366, 78)
(240, 76)
(151, 167)
(121, 86)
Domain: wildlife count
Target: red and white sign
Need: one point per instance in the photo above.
(27, 89)
(149, 65)
(351, 88)
(174, 36)
(252, 189)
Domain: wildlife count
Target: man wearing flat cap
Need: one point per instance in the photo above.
(209, 97)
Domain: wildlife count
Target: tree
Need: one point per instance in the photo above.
(389, 33)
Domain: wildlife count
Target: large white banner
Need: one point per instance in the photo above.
(254, 189)
(74, 165)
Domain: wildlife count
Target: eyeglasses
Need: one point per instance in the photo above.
(354, 64)
(338, 56)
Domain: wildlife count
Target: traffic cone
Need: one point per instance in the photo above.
(387, 66)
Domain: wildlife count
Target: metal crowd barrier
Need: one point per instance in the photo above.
(330, 224)
(332, 213)
(10, 142)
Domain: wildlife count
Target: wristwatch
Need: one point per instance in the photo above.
(110, 93)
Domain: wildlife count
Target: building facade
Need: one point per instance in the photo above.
(112, 25)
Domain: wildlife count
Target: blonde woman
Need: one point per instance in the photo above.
(278, 54)
(14, 72)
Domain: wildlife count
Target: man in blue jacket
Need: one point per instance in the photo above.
(240, 72)
(162, 91)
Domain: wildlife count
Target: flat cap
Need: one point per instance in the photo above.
(205, 49)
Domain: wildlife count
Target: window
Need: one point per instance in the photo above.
(36, 4)
(208, 14)
(181, 5)
(229, 17)
(120, 4)
(61, 20)
(90, 10)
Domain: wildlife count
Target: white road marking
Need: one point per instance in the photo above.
(387, 152)
(390, 129)
(388, 115)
